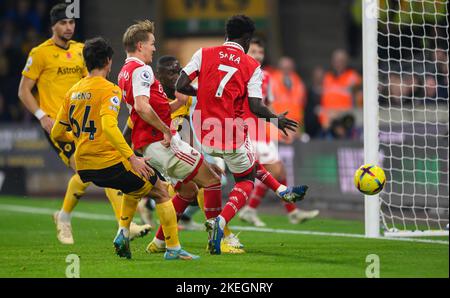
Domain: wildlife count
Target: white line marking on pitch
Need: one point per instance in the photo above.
(96, 216)
(49, 211)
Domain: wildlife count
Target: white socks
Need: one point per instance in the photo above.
(125, 231)
(159, 243)
(222, 222)
(281, 189)
(64, 216)
(162, 244)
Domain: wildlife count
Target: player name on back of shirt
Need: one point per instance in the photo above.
(230, 57)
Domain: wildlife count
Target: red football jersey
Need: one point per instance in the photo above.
(258, 128)
(137, 79)
(226, 78)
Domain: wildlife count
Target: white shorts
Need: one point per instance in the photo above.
(178, 163)
(239, 161)
(266, 153)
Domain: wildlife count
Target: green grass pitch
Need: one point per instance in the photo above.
(29, 249)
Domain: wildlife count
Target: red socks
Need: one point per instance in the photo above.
(238, 198)
(265, 177)
(289, 207)
(213, 201)
(257, 195)
(180, 204)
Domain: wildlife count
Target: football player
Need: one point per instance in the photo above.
(151, 117)
(54, 67)
(266, 152)
(89, 111)
(168, 69)
(227, 77)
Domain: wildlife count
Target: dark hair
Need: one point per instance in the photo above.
(58, 13)
(239, 26)
(165, 60)
(96, 53)
(258, 41)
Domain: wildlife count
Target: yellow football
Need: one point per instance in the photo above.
(370, 179)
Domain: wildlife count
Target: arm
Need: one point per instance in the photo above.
(143, 78)
(146, 112)
(175, 105)
(260, 110)
(184, 85)
(114, 136)
(60, 133)
(61, 129)
(188, 74)
(30, 74)
(30, 102)
(179, 101)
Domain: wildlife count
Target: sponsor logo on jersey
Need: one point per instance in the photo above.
(69, 70)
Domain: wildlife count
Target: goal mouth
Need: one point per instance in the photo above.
(407, 115)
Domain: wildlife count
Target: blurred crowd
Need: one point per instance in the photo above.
(325, 104)
(413, 51)
(413, 68)
(24, 24)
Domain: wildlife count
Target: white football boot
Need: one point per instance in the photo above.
(233, 240)
(298, 216)
(63, 230)
(250, 216)
(190, 225)
(137, 231)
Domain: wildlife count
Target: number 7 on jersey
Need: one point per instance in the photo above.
(230, 72)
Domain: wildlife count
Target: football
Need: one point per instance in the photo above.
(369, 179)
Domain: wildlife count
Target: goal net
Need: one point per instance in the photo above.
(413, 108)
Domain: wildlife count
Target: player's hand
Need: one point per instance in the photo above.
(167, 139)
(286, 123)
(47, 123)
(140, 166)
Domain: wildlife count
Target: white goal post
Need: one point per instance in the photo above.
(406, 107)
